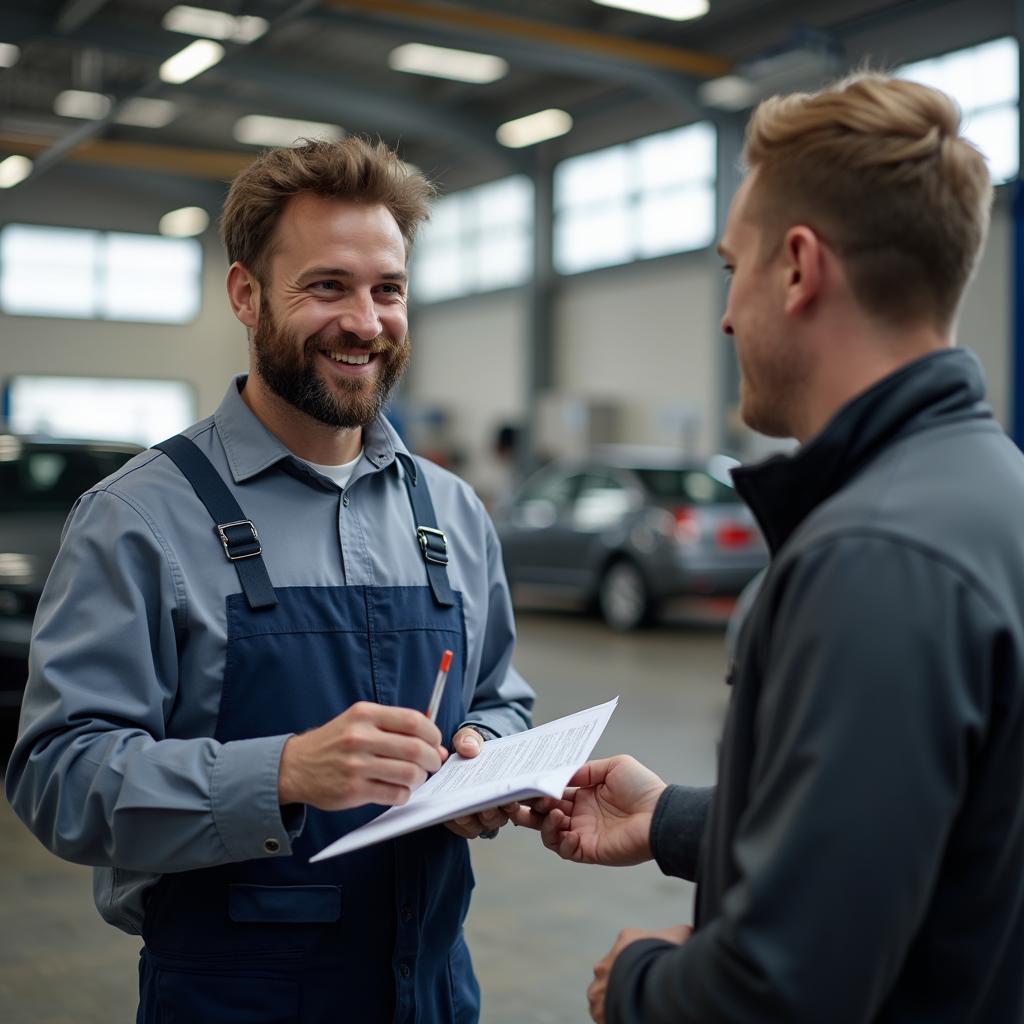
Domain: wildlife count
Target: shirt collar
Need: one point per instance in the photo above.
(251, 448)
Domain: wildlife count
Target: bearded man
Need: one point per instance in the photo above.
(233, 653)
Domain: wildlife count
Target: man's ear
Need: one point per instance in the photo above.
(802, 254)
(244, 295)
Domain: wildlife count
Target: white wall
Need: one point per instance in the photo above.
(646, 336)
(469, 360)
(986, 318)
(205, 353)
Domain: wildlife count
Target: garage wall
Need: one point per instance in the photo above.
(204, 353)
(469, 364)
(644, 336)
(986, 318)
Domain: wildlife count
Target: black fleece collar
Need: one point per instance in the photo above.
(941, 387)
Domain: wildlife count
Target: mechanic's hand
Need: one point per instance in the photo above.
(468, 743)
(598, 989)
(369, 754)
(603, 818)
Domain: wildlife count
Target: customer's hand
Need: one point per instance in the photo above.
(598, 990)
(603, 818)
(468, 743)
(369, 754)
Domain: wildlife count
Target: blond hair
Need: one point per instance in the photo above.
(354, 168)
(877, 166)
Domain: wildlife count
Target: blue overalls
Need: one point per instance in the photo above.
(372, 936)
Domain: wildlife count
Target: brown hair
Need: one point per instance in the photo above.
(878, 168)
(354, 168)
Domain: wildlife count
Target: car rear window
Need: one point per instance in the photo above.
(53, 479)
(692, 486)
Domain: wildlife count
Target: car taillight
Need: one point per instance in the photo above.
(730, 536)
(687, 525)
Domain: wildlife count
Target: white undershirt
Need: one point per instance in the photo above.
(339, 474)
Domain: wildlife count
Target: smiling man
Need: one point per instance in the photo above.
(233, 654)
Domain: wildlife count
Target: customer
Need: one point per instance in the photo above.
(862, 856)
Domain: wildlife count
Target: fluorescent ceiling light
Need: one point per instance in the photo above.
(76, 103)
(192, 61)
(198, 21)
(441, 62)
(9, 54)
(673, 10)
(13, 170)
(534, 128)
(145, 113)
(259, 130)
(730, 92)
(184, 223)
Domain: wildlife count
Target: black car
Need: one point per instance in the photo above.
(629, 529)
(40, 478)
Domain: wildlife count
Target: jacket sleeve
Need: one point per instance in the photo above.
(677, 828)
(872, 698)
(93, 774)
(502, 701)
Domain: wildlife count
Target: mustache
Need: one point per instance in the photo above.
(320, 341)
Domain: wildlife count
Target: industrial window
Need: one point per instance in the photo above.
(98, 408)
(646, 198)
(983, 81)
(476, 240)
(99, 275)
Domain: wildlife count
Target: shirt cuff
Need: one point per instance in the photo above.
(485, 730)
(243, 792)
(677, 828)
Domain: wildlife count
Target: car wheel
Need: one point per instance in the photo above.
(623, 596)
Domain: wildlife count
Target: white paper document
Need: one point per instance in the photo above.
(538, 762)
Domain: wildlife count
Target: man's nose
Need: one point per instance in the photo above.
(359, 317)
(726, 324)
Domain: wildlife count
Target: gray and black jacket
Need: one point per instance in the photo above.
(862, 857)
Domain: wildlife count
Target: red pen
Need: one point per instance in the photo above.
(442, 675)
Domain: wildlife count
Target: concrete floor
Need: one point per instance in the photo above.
(537, 924)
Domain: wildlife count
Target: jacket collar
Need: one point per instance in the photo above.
(939, 388)
(251, 448)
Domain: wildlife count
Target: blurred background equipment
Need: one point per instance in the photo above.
(630, 529)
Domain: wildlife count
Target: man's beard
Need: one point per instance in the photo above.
(293, 375)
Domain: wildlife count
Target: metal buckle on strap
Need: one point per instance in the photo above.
(228, 544)
(434, 550)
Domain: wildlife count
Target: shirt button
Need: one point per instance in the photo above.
(271, 845)
(406, 914)
(403, 970)
(344, 501)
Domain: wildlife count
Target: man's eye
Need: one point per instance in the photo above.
(391, 289)
(327, 286)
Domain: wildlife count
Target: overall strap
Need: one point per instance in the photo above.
(237, 534)
(433, 543)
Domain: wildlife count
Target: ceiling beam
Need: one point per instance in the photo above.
(678, 92)
(213, 165)
(493, 25)
(75, 13)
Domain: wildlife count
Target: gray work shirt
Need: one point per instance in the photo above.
(115, 765)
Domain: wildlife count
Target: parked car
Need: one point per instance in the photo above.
(628, 529)
(40, 479)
